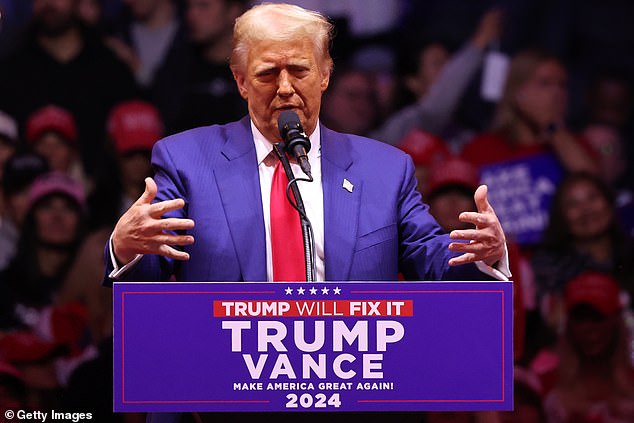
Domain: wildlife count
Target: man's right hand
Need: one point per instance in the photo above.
(141, 230)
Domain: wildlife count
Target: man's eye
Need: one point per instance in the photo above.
(265, 73)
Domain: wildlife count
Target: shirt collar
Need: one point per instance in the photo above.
(263, 147)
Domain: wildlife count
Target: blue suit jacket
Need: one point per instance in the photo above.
(380, 228)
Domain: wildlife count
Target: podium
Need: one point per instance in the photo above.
(313, 347)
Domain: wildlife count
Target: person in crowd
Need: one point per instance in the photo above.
(608, 124)
(8, 140)
(436, 83)
(609, 100)
(609, 148)
(151, 34)
(134, 127)
(529, 148)
(153, 42)
(52, 231)
(425, 150)
(210, 94)
(350, 104)
(449, 191)
(530, 117)
(19, 173)
(52, 133)
(595, 377)
(33, 334)
(62, 63)
(582, 234)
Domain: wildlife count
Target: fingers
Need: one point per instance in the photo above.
(463, 259)
(476, 218)
(469, 234)
(466, 247)
(167, 251)
(159, 209)
(150, 192)
(481, 201)
(175, 224)
(180, 240)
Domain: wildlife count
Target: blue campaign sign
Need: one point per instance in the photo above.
(348, 346)
(521, 192)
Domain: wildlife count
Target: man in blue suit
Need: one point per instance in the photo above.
(206, 214)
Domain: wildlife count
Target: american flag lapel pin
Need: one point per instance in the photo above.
(347, 185)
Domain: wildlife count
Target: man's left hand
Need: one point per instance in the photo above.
(486, 241)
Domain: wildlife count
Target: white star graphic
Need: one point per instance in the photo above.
(289, 290)
(336, 291)
(313, 291)
(301, 291)
(324, 290)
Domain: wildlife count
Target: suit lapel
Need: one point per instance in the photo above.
(239, 185)
(341, 207)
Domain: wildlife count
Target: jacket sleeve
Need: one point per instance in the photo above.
(423, 253)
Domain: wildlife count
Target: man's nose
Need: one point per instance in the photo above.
(284, 84)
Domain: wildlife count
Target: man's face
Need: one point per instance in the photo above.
(283, 75)
(53, 17)
(350, 105)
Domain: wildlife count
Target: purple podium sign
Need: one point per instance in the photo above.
(345, 346)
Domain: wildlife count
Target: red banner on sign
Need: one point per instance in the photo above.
(327, 308)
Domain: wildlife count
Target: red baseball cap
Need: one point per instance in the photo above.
(453, 171)
(134, 125)
(24, 347)
(425, 148)
(599, 290)
(51, 119)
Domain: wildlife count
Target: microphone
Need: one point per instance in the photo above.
(296, 140)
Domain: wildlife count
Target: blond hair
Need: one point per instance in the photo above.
(280, 22)
(522, 68)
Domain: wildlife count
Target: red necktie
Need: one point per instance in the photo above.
(287, 246)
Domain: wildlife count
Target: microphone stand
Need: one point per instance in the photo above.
(307, 229)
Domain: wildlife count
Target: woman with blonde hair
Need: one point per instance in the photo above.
(530, 117)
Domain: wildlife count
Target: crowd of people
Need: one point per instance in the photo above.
(87, 87)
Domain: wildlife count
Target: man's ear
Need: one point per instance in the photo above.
(240, 81)
(325, 80)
